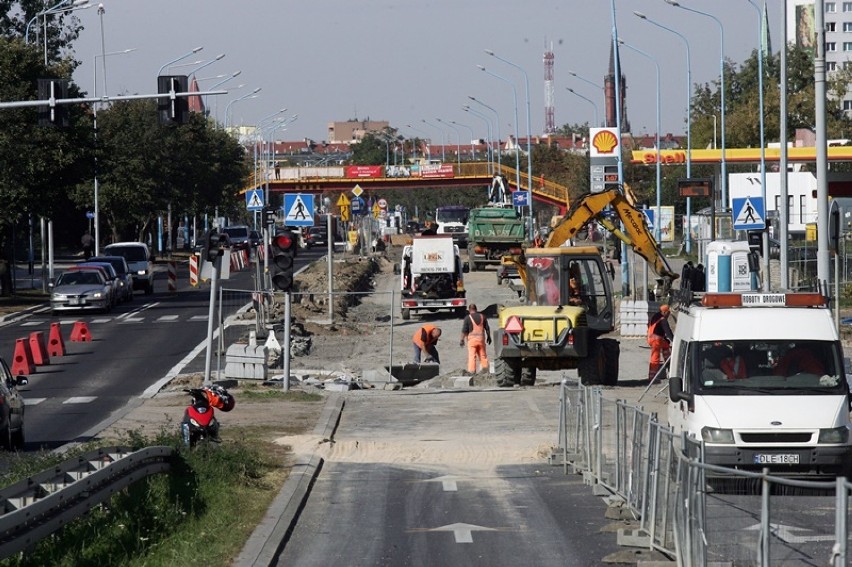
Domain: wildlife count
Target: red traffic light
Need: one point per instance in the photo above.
(283, 241)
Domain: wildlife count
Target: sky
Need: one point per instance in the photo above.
(405, 62)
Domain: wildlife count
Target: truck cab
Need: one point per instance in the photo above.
(758, 379)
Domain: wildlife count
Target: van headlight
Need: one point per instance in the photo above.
(142, 272)
(714, 435)
(835, 435)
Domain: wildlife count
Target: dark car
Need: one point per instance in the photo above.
(255, 238)
(239, 236)
(122, 271)
(316, 236)
(412, 227)
(11, 408)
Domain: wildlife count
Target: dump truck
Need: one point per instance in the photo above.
(494, 231)
(432, 276)
(569, 307)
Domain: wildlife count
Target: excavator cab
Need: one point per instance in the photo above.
(570, 277)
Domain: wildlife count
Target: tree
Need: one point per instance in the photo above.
(370, 150)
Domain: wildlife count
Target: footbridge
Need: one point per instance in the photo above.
(376, 177)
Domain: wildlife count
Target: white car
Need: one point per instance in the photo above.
(139, 260)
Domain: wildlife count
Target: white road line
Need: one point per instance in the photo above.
(198, 318)
(102, 320)
(132, 320)
(80, 400)
(31, 324)
(33, 401)
(169, 318)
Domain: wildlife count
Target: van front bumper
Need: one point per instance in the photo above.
(830, 460)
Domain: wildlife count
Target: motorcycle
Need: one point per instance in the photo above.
(199, 422)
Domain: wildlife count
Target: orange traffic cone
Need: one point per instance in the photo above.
(55, 344)
(80, 332)
(38, 349)
(22, 362)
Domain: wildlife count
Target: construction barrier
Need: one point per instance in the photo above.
(80, 332)
(193, 270)
(38, 349)
(55, 344)
(22, 361)
(172, 276)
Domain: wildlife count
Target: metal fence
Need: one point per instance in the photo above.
(697, 514)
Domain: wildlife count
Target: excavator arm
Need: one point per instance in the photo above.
(590, 207)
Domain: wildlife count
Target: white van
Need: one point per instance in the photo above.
(139, 260)
(759, 378)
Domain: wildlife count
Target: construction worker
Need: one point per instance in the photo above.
(660, 338)
(426, 339)
(538, 241)
(475, 330)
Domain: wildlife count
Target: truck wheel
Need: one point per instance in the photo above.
(527, 376)
(406, 314)
(611, 352)
(507, 372)
(591, 369)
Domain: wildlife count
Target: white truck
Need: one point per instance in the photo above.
(432, 276)
(759, 379)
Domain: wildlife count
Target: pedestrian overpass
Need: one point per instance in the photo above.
(321, 180)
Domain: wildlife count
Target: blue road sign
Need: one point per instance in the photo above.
(649, 216)
(254, 200)
(359, 206)
(521, 198)
(299, 209)
(749, 213)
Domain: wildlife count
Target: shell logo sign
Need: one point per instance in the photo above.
(604, 141)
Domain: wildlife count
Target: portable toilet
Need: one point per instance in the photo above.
(728, 267)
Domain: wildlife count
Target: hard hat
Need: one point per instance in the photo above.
(664, 309)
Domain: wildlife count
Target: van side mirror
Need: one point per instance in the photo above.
(676, 392)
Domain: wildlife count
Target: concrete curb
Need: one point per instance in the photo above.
(269, 538)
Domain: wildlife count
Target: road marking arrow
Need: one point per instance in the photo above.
(786, 533)
(448, 482)
(462, 532)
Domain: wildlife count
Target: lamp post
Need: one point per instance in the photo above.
(724, 181)
(443, 140)
(181, 58)
(687, 232)
(472, 147)
(625, 265)
(765, 238)
(517, 138)
(590, 101)
(203, 65)
(55, 9)
(657, 219)
(497, 122)
(458, 141)
(252, 94)
(585, 80)
(529, 124)
(488, 149)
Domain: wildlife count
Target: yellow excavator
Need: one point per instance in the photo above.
(569, 303)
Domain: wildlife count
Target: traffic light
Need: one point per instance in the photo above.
(173, 110)
(268, 216)
(214, 246)
(56, 115)
(283, 251)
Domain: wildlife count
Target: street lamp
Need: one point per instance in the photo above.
(472, 147)
(590, 101)
(203, 65)
(724, 175)
(252, 94)
(443, 141)
(458, 141)
(585, 80)
(497, 122)
(657, 219)
(687, 232)
(765, 242)
(55, 9)
(529, 127)
(517, 138)
(488, 149)
(181, 58)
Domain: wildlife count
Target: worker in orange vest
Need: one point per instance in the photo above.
(475, 330)
(660, 337)
(426, 339)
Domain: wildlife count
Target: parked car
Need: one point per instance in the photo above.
(412, 227)
(11, 408)
(119, 264)
(316, 236)
(255, 238)
(118, 292)
(239, 235)
(81, 289)
(139, 260)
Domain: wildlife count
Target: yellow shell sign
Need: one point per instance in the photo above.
(604, 141)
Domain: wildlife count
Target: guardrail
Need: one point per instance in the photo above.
(41, 504)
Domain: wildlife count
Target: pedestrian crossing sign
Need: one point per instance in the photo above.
(299, 209)
(254, 200)
(749, 213)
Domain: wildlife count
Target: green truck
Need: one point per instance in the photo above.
(494, 231)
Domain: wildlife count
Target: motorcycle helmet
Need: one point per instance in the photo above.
(220, 398)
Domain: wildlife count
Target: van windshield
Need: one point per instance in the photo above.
(743, 367)
(130, 253)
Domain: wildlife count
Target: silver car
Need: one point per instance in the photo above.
(81, 289)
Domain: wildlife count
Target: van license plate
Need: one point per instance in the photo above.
(762, 459)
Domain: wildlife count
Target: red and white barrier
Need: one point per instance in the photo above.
(172, 276)
(193, 270)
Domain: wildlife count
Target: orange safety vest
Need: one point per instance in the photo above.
(652, 336)
(734, 367)
(478, 331)
(423, 336)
